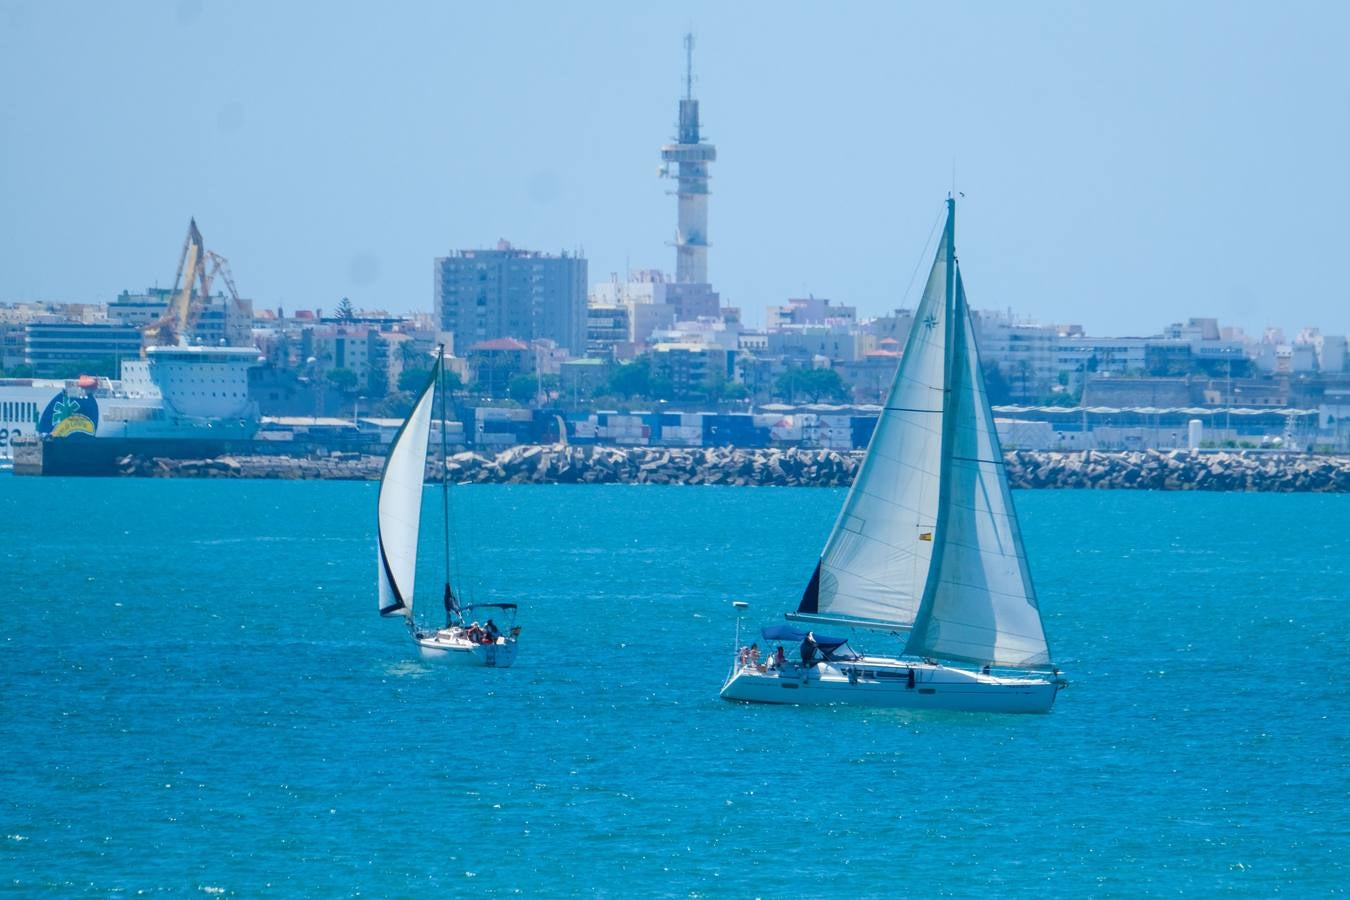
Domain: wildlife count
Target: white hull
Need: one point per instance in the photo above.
(886, 682)
(449, 645)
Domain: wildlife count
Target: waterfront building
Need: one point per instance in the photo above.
(1331, 355)
(713, 331)
(329, 348)
(811, 310)
(13, 344)
(25, 311)
(1026, 353)
(802, 344)
(1314, 351)
(607, 328)
(581, 379)
(221, 320)
(692, 369)
(52, 348)
(1106, 390)
(623, 315)
(871, 375)
(492, 364)
(1333, 415)
(374, 356)
(483, 295)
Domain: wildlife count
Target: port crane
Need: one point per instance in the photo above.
(197, 267)
(173, 326)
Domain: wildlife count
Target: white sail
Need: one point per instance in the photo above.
(400, 505)
(981, 606)
(875, 563)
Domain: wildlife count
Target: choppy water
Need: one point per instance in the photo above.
(196, 695)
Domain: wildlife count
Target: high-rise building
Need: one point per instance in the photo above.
(483, 295)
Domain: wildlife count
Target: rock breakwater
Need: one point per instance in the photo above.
(1136, 470)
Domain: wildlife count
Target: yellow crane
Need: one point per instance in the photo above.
(174, 326)
(197, 267)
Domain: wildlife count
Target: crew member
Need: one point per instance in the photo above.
(809, 649)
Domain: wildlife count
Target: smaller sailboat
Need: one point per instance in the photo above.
(926, 550)
(463, 639)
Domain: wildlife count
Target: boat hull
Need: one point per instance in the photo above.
(878, 683)
(456, 650)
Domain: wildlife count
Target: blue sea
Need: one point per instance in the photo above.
(198, 697)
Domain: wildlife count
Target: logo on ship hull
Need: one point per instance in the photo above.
(66, 416)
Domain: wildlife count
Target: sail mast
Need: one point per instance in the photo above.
(449, 595)
(948, 433)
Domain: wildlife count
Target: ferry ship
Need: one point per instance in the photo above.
(180, 401)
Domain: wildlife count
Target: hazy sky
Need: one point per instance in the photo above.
(1125, 164)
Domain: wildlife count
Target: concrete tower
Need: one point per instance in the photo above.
(690, 160)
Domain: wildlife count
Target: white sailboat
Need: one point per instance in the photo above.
(462, 639)
(926, 550)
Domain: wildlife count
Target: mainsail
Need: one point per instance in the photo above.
(875, 563)
(928, 538)
(400, 504)
(980, 606)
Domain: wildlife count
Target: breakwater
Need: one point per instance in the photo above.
(1136, 470)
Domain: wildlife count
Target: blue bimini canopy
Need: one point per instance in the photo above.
(829, 646)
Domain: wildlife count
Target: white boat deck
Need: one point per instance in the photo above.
(891, 682)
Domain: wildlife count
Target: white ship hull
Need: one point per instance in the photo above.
(449, 645)
(893, 683)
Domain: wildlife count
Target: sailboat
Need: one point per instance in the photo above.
(463, 639)
(926, 554)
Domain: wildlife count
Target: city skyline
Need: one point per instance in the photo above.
(1122, 170)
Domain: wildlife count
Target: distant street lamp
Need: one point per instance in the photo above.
(356, 412)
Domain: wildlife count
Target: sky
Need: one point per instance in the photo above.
(1124, 165)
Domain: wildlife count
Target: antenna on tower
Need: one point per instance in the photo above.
(689, 65)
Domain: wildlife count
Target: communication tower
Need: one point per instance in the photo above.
(690, 158)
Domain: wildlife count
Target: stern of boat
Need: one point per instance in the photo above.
(500, 655)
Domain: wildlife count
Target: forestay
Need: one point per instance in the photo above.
(400, 504)
(981, 606)
(875, 563)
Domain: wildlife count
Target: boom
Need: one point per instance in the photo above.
(172, 328)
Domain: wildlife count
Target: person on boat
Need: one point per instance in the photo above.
(779, 657)
(809, 649)
(475, 633)
(491, 632)
(753, 658)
